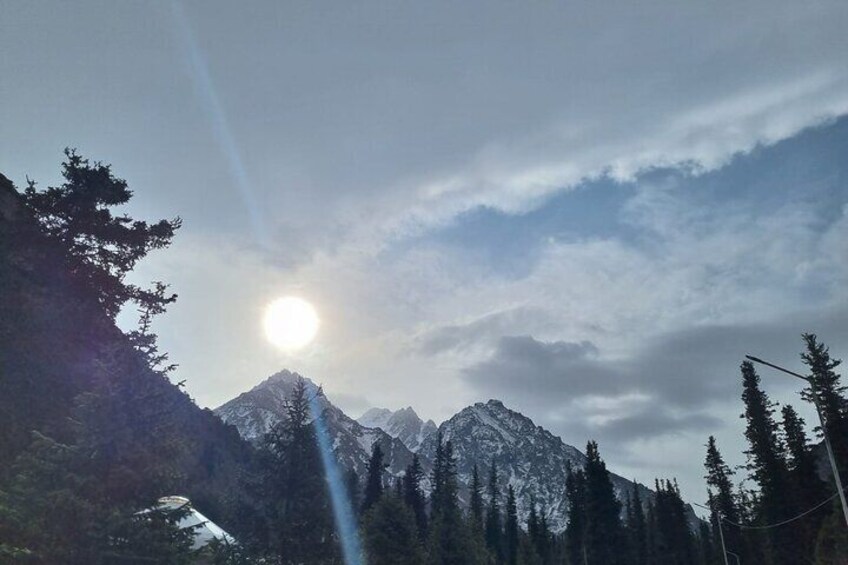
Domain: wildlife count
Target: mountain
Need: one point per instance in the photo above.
(403, 424)
(254, 412)
(527, 456)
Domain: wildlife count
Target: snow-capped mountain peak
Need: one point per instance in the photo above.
(527, 456)
(254, 412)
(404, 424)
(375, 417)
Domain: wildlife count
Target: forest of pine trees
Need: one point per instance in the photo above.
(71, 491)
(401, 525)
(787, 513)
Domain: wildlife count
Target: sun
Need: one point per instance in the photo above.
(290, 323)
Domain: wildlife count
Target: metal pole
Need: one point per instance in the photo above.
(717, 514)
(721, 536)
(830, 455)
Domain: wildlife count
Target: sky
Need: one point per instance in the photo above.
(590, 211)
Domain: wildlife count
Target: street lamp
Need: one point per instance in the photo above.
(724, 551)
(815, 397)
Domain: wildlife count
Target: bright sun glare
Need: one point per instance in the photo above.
(290, 323)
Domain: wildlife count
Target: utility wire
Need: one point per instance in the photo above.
(769, 526)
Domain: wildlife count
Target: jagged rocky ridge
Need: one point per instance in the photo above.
(403, 424)
(528, 457)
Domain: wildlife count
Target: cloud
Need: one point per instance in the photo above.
(400, 119)
(682, 370)
(479, 332)
(652, 410)
(352, 404)
(653, 422)
(546, 367)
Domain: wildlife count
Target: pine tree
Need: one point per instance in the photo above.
(538, 536)
(706, 549)
(475, 504)
(374, 479)
(768, 469)
(674, 538)
(604, 533)
(805, 485)
(545, 542)
(511, 528)
(826, 387)
(352, 488)
(390, 536)
(494, 535)
(450, 541)
(722, 500)
(414, 496)
(802, 460)
(830, 394)
(78, 502)
(476, 517)
(437, 477)
(300, 515)
(527, 554)
(652, 536)
(533, 525)
(637, 528)
(575, 531)
(100, 248)
(832, 543)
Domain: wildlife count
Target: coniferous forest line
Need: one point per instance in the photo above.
(92, 432)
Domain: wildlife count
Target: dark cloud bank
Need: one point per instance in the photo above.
(673, 385)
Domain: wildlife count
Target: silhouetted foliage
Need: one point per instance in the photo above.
(300, 521)
(390, 536)
(101, 248)
(413, 495)
(374, 479)
(494, 532)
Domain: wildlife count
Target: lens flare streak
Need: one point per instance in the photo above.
(214, 109)
(342, 511)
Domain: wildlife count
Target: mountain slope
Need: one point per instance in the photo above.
(527, 456)
(59, 352)
(254, 412)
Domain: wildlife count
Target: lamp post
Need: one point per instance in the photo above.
(724, 551)
(830, 455)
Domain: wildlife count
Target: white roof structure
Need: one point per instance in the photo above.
(205, 530)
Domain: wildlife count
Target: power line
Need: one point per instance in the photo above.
(769, 526)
